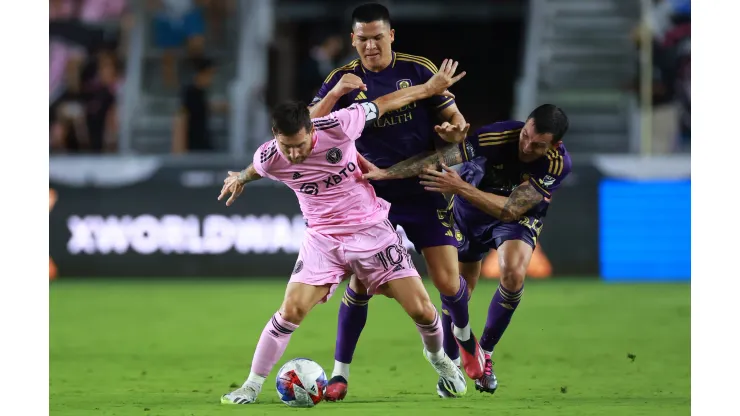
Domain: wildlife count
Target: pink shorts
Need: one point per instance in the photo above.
(376, 255)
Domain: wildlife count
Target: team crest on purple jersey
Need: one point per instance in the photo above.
(403, 83)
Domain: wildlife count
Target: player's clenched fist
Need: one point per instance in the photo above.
(444, 78)
(348, 82)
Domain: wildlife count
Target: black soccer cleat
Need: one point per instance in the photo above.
(488, 383)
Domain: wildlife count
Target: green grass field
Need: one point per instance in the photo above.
(172, 348)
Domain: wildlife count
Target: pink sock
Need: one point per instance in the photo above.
(272, 344)
(431, 335)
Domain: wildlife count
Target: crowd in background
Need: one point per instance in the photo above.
(670, 30)
(89, 41)
(86, 55)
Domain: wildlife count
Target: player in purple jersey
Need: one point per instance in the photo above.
(348, 229)
(424, 216)
(509, 171)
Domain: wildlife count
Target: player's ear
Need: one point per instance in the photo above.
(393, 35)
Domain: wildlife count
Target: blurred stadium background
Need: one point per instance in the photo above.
(151, 102)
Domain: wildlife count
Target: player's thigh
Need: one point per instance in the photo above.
(300, 298)
(320, 263)
(470, 271)
(376, 255)
(442, 265)
(413, 297)
(513, 259)
(356, 285)
(470, 253)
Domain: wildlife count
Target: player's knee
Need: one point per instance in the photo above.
(512, 277)
(294, 312)
(447, 281)
(423, 312)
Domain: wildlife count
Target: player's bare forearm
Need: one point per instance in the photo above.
(507, 209)
(323, 107)
(453, 115)
(248, 175)
(449, 155)
(400, 98)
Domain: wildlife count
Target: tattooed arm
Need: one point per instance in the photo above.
(234, 183)
(248, 175)
(449, 155)
(507, 209)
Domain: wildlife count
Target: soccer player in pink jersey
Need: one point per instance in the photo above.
(348, 229)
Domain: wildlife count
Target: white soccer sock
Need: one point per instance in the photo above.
(463, 334)
(340, 369)
(254, 381)
(436, 357)
(456, 361)
(487, 352)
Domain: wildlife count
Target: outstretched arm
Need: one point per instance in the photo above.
(507, 209)
(436, 85)
(248, 175)
(449, 155)
(234, 183)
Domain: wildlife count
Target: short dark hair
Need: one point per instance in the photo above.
(289, 117)
(370, 12)
(551, 119)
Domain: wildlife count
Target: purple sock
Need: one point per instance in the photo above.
(457, 305)
(352, 318)
(500, 311)
(449, 344)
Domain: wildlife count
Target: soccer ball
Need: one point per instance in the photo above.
(301, 383)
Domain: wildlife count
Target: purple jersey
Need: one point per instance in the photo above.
(492, 165)
(399, 134)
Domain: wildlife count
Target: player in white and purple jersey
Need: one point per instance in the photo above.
(510, 170)
(424, 216)
(348, 229)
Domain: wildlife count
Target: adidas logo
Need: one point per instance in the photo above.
(361, 96)
(397, 268)
(296, 175)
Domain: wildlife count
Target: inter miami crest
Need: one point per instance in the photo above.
(334, 155)
(298, 267)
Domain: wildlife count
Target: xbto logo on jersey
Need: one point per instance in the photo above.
(334, 155)
(332, 180)
(310, 188)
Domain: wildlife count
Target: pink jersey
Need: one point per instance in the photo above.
(333, 196)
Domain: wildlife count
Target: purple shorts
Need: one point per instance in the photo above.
(475, 240)
(427, 221)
